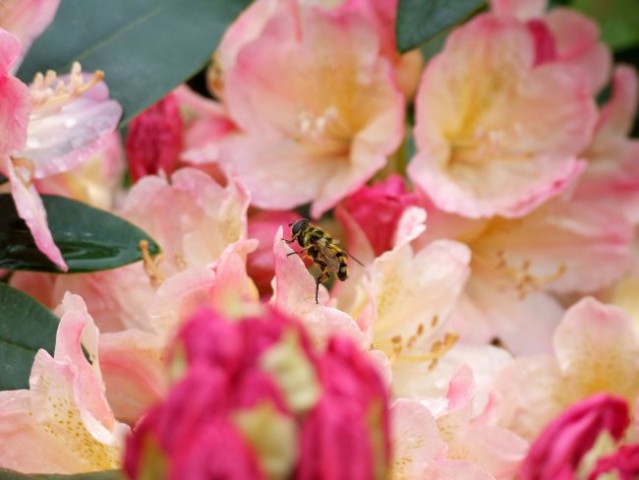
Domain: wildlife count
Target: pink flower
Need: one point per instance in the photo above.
(64, 414)
(481, 150)
(516, 263)
(317, 105)
(596, 349)
(49, 133)
(154, 139)
(378, 208)
(255, 400)
(559, 449)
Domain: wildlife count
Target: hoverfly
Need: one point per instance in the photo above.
(322, 249)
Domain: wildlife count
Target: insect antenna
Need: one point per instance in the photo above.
(354, 258)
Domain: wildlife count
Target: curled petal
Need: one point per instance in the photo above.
(15, 102)
(31, 209)
(578, 45)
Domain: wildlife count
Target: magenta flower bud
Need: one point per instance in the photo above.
(624, 462)
(154, 140)
(347, 435)
(378, 208)
(558, 451)
(256, 400)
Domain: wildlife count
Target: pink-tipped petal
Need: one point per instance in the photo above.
(15, 99)
(31, 209)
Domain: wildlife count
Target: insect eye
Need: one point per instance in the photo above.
(297, 226)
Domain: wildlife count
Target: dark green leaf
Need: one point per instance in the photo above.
(3, 179)
(418, 21)
(145, 47)
(89, 239)
(107, 475)
(618, 20)
(25, 327)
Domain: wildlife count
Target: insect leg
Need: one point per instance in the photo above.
(321, 278)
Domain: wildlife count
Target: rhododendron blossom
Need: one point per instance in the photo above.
(317, 105)
(596, 350)
(64, 413)
(481, 150)
(49, 130)
(460, 303)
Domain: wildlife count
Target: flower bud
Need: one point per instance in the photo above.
(154, 140)
(559, 450)
(378, 208)
(255, 400)
(624, 463)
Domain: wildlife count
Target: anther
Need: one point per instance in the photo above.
(151, 264)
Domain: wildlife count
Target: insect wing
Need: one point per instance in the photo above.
(326, 253)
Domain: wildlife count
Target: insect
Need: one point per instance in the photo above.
(322, 249)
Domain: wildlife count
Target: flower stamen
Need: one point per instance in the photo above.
(151, 264)
(49, 92)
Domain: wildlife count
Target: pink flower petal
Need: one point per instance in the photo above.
(15, 99)
(520, 9)
(598, 345)
(578, 45)
(31, 209)
(61, 139)
(27, 19)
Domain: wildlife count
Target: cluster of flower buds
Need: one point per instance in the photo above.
(253, 399)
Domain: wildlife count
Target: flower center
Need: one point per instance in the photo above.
(518, 275)
(437, 349)
(327, 133)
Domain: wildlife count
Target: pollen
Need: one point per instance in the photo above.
(49, 92)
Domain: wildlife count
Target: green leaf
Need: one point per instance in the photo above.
(145, 47)
(25, 327)
(618, 20)
(418, 21)
(106, 475)
(89, 239)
